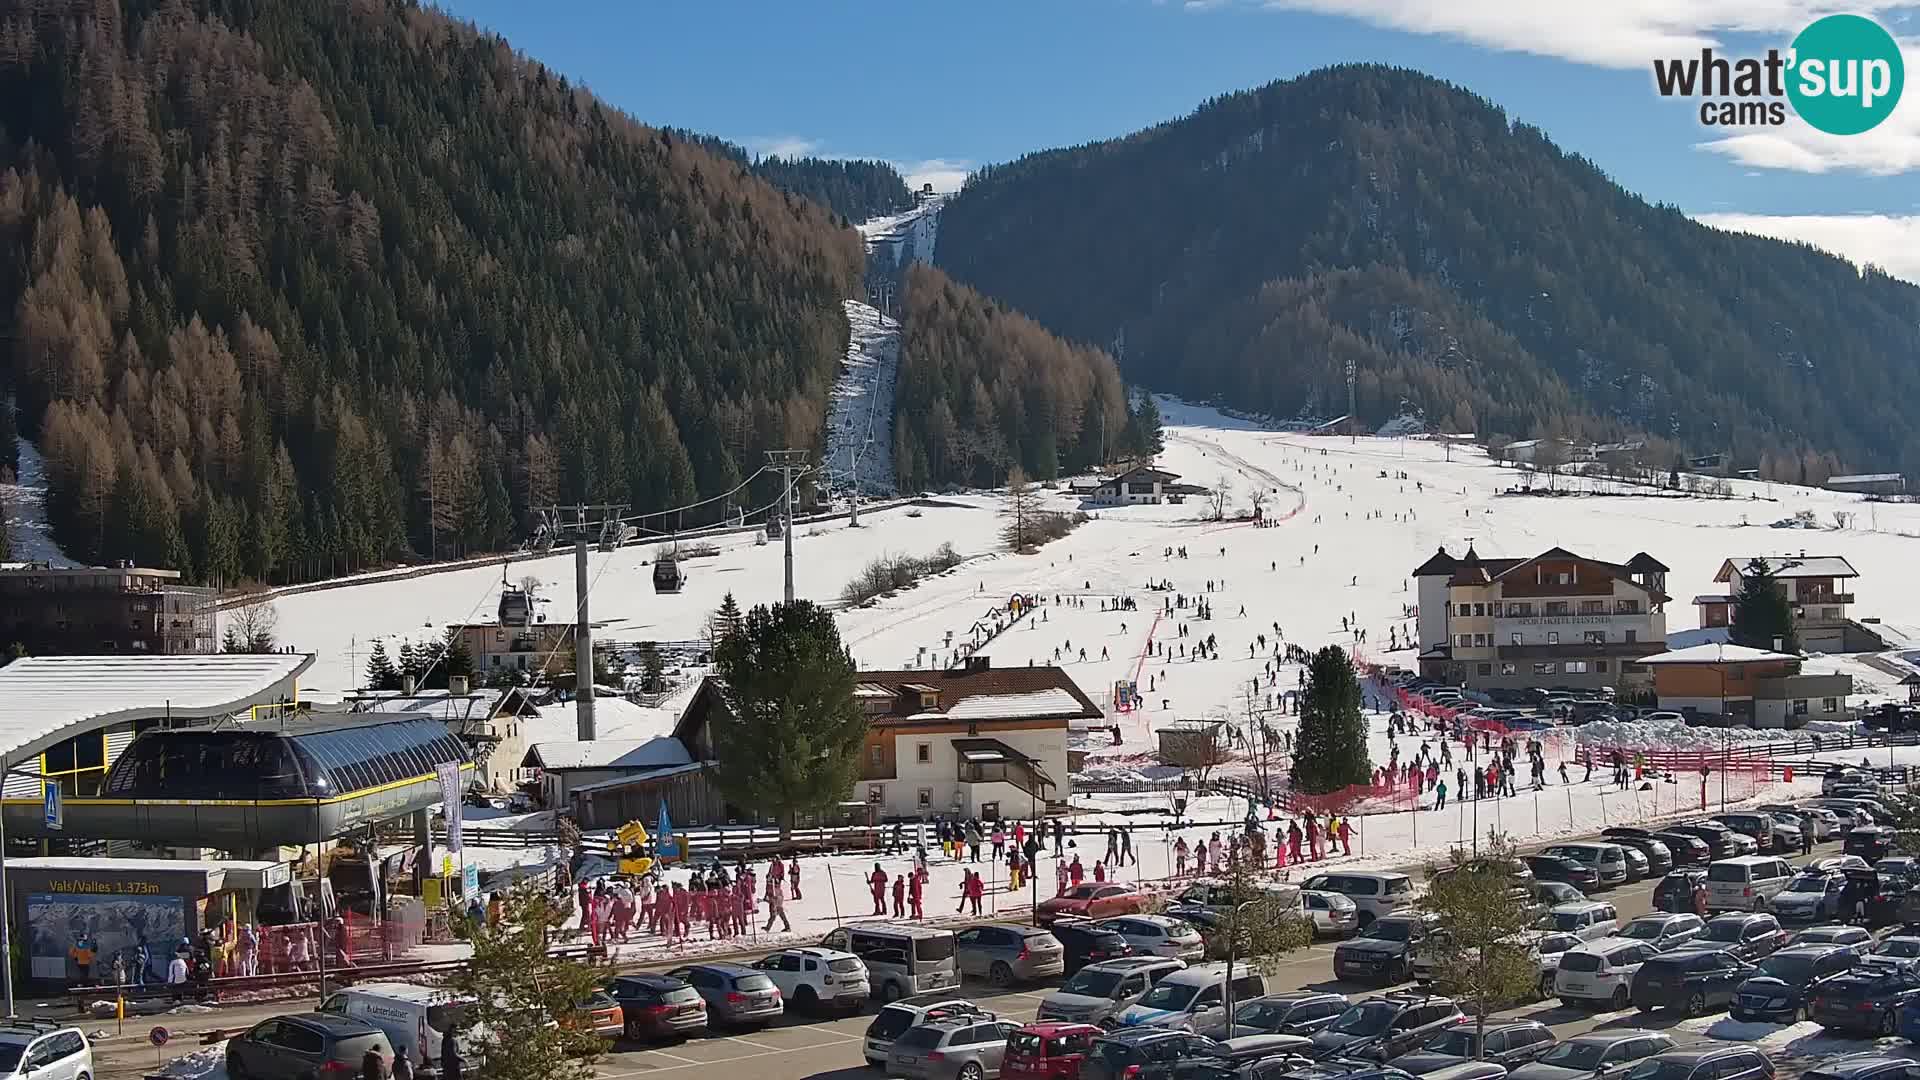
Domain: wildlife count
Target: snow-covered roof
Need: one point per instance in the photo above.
(643, 774)
(1713, 598)
(44, 699)
(1033, 704)
(1791, 566)
(1715, 653)
(1865, 478)
(608, 754)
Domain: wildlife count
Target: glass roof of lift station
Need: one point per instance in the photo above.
(300, 761)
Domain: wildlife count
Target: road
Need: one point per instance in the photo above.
(806, 1049)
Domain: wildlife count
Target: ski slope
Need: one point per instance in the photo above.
(25, 504)
(860, 417)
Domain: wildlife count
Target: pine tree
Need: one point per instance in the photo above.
(653, 670)
(516, 989)
(789, 739)
(1022, 511)
(1330, 751)
(725, 621)
(381, 674)
(458, 659)
(409, 663)
(1761, 613)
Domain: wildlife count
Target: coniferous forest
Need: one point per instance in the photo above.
(290, 289)
(1474, 273)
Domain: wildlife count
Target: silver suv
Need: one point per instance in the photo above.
(47, 1051)
(1098, 992)
(956, 1048)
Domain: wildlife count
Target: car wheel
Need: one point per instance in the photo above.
(1000, 974)
(1619, 999)
(1697, 1004)
(235, 1069)
(806, 1001)
(1545, 990)
(889, 992)
(971, 1071)
(1886, 1023)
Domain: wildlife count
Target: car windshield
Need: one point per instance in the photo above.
(10, 1054)
(1093, 982)
(1390, 929)
(1792, 969)
(1657, 1069)
(1081, 892)
(1575, 1055)
(1808, 884)
(1261, 1014)
(1724, 931)
(1367, 1018)
(1644, 929)
(1556, 943)
(1169, 995)
(1903, 947)
(1569, 920)
(1456, 1041)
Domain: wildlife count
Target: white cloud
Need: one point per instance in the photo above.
(945, 174)
(783, 146)
(1889, 242)
(1630, 34)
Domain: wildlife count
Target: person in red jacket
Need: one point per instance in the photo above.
(1346, 836)
(877, 882)
(899, 895)
(915, 884)
(976, 890)
(1075, 872)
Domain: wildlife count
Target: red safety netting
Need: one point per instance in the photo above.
(1706, 777)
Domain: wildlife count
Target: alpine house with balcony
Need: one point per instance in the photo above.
(1555, 619)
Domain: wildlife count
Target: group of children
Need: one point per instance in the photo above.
(725, 903)
(1304, 840)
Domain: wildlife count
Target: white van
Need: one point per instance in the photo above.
(1374, 892)
(1588, 920)
(415, 1019)
(1601, 972)
(1745, 882)
(1607, 860)
(902, 959)
(1193, 1000)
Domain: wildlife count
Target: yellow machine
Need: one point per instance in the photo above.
(634, 847)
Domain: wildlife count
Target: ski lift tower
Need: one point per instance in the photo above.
(791, 465)
(584, 525)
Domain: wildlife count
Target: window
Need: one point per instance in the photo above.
(926, 797)
(1633, 636)
(1509, 669)
(875, 756)
(1600, 666)
(1626, 607)
(1480, 641)
(1829, 612)
(1464, 641)
(1519, 611)
(1479, 610)
(1546, 667)
(1486, 669)
(1562, 577)
(1595, 637)
(1516, 638)
(1800, 706)
(1553, 637)
(1593, 607)
(1557, 607)
(1831, 705)
(923, 753)
(876, 794)
(1574, 667)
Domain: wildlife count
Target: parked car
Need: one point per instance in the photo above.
(1145, 1053)
(951, 1048)
(1091, 901)
(1717, 837)
(1586, 1057)
(1376, 894)
(1381, 1028)
(1558, 868)
(1746, 882)
(1332, 914)
(1639, 867)
(1098, 992)
(1695, 981)
(600, 1014)
(1687, 850)
(1747, 936)
(1870, 842)
(1384, 951)
(1862, 1067)
(1717, 1063)
(1675, 893)
(1194, 998)
(1088, 943)
(812, 978)
(1006, 953)
(1587, 920)
(654, 1007)
(45, 1051)
(298, 1046)
(1159, 935)
(1659, 856)
(1779, 990)
(1556, 892)
(1664, 930)
(1843, 778)
(1508, 1042)
(1297, 1012)
(1601, 972)
(1855, 938)
(898, 1017)
(735, 994)
(1812, 896)
(1774, 836)
(1608, 860)
(1899, 947)
(1868, 998)
(1047, 1051)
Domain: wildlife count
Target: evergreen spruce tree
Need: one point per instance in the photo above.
(459, 658)
(789, 739)
(1761, 612)
(1330, 751)
(725, 621)
(409, 661)
(653, 669)
(381, 674)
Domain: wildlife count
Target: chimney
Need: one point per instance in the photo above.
(1779, 644)
(406, 685)
(457, 686)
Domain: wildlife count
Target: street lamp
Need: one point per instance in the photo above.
(1233, 952)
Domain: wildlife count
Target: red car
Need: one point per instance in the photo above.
(1044, 1051)
(1091, 902)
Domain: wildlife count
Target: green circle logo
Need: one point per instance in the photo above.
(1847, 74)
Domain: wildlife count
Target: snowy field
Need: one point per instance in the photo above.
(860, 423)
(25, 505)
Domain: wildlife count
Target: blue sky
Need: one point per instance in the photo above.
(941, 88)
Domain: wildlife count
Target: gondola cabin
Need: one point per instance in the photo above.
(667, 575)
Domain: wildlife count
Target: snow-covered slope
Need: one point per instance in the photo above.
(860, 421)
(26, 509)
(905, 237)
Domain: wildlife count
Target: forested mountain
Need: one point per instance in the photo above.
(1467, 267)
(982, 388)
(291, 288)
(855, 190)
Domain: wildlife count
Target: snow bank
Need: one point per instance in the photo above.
(206, 1063)
(1674, 735)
